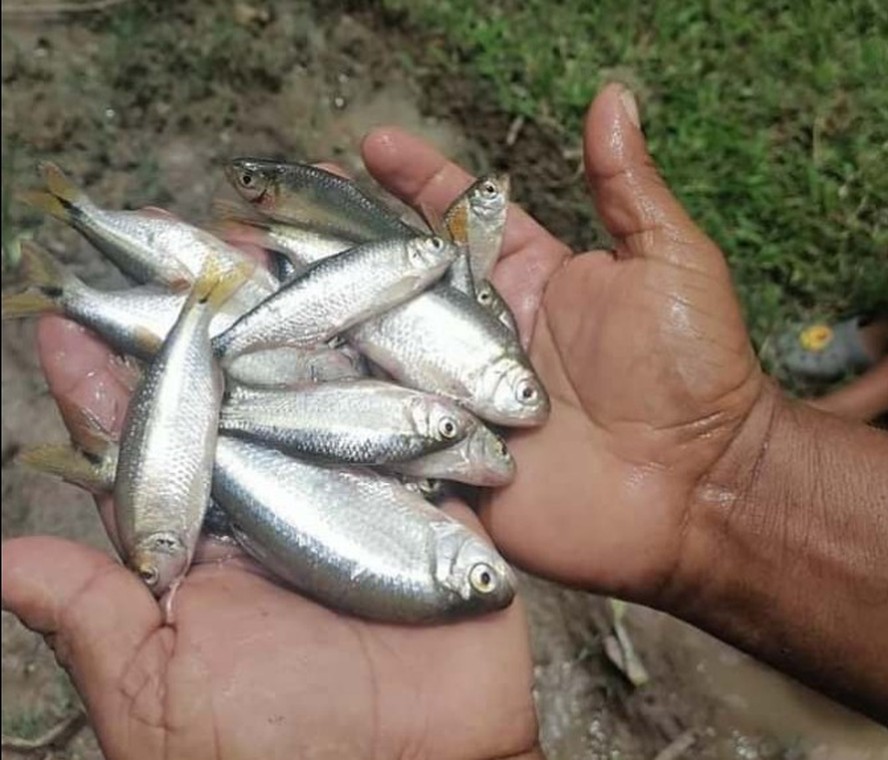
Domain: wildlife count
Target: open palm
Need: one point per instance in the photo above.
(643, 351)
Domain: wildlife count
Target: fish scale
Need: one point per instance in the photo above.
(322, 529)
(355, 421)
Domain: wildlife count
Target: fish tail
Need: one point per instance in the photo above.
(216, 284)
(63, 197)
(48, 282)
(72, 465)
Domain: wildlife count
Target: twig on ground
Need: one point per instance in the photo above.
(678, 746)
(88, 6)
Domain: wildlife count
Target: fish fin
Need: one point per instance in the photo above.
(28, 304)
(47, 282)
(60, 185)
(73, 465)
(215, 285)
(157, 211)
(459, 275)
(457, 221)
(45, 202)
(434, 221)
(227, 210)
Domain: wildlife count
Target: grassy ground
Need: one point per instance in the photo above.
(768, 119)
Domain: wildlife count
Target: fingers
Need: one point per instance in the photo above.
(82, 375)
(634, 203)
(95, 612)
(420, 175)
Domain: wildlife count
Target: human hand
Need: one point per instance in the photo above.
(643, 351)
(249, 669)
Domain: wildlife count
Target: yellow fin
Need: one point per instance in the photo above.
(58, 184)
(40, 267)
(216, 285)
(28, 304)
(45, 202)
(457, 220)
(94, 473)
(434, 221)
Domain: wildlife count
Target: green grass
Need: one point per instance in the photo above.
(769, 120)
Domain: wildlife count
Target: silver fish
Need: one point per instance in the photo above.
(338, 292)
(300, 246)
(479, 459)
(151, 246)
(351, 421)
(356, 540)
(135, 321)
(308, 196)
(444, 342)
(289, 367)
(168, 442)
(489, 298)
(477, 219)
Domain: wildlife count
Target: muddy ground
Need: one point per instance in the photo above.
(140, 123)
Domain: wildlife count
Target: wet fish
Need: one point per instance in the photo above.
(93, 471)
(300, 246)
(151, 246)
(477, 219)
(356, 540)
(168, 442)
(351, 421)
(288, 367)
(134, 321)
(444, 342)
(337, 293)
(314, 198)
(479, 459)
(489, 298)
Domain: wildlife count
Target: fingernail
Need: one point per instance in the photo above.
(630, 106)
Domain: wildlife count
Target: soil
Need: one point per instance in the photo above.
(138, 126)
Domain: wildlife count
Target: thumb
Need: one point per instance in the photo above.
(636, 206)
(94, 613)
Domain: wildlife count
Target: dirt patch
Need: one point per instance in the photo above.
(143, 105)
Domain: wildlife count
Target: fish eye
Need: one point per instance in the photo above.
(484, 296)
(447, 427)
(437, 243)
(527, 391)
(482, 577)
(489, 188)
(246, 179)
(149, 574)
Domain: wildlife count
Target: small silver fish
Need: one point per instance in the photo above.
(479, 459)
(338, 292)
(289, 367)
(151, 246)
(489, 298)
(308, 196)
(443, 342)
(299, 245)
(357, 540)
(135, 321)
(351, 421)
(477, 219)
(168, 443)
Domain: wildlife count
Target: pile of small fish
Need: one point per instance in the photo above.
(310, 413)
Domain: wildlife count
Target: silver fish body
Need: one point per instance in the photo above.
(481, 458)
(356, 540)
(444, 342)
(308, 196)
(166, 453)
(289, 367)
(337, 293)
(478, 219)
(353, 421)
(489, 298)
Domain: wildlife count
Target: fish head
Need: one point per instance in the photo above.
(159, 560)
(253, 179)
(430, 253)
(443, 421)
(489, 197)
(489, 459)
(472, 569)
(512, 394)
